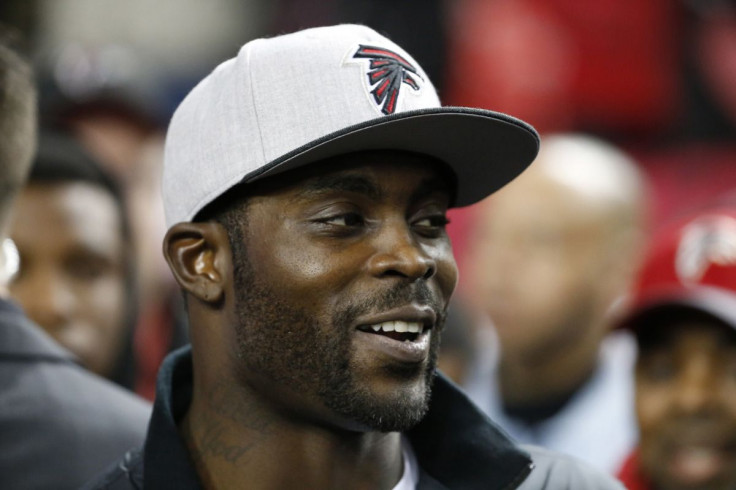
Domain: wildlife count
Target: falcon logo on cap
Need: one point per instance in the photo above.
(706, 242)
(387, 73)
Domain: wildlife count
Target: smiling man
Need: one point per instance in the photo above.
(685, 325)
(306, 186)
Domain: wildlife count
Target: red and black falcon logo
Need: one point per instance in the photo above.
(387, 72)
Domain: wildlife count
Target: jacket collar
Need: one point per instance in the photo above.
(166, 461)
(458, 446)
(455, 444)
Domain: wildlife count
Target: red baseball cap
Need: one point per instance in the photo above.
(690, 266)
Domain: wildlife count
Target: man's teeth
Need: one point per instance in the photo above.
(410, 327)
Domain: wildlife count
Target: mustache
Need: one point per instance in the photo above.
(702, 424)
(400, 295)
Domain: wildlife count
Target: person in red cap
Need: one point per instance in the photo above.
(684, 320)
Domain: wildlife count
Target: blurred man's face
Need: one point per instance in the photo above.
(538, 252)
(72, 275)
(686, 405)
(342, 282)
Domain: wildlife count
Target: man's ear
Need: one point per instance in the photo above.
(199, 257)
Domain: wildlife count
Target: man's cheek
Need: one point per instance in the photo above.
(651, 409)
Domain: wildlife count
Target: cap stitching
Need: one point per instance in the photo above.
(253, 100)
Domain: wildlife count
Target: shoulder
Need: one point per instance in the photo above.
(38, 376)
(65, 419)
(72, 394)
(557, 471)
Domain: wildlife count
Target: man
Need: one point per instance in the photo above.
(685, 326)
(76, 278)
(306, 183)
(554, 255)
(60, 425)
(119, 127)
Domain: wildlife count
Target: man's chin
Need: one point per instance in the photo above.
(395, 410)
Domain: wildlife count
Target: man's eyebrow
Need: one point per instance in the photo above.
(346, 183)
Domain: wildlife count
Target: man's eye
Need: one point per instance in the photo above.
(347, 219)
(439, 221)
(658, 370)
(87, 268)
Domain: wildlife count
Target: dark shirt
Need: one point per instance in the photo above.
(60, 425)
(454, 444)
(457, 447)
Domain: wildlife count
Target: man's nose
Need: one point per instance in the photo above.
(398, 252)
(696, 390)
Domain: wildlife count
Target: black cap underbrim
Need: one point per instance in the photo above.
(485, 149)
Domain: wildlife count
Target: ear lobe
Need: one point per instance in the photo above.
(198, 255)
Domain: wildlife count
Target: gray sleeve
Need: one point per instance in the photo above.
(555, 471)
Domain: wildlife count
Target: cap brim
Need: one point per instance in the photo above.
(714, 302)
(485, 149)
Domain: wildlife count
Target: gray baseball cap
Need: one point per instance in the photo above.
(292, 100)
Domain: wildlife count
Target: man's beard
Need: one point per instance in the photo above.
(284, 343)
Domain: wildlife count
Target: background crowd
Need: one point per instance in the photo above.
(562, 327)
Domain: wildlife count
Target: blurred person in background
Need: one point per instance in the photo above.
(117, 119)
(552, 258)
(60, 424)
(685, 326)
(77, 278)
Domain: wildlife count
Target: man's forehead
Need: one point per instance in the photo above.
(366, 173)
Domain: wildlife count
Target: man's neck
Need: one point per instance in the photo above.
(234, 442)
(542, 389)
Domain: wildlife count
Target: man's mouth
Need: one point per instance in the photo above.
(401, 334)
(699, 463)
(402, 331)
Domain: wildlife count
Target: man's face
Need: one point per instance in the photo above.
(331, 272)
(686, 405)
(537, 252)
(72, 275)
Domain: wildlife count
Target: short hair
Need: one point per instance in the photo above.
(60, 158)
(17, 124)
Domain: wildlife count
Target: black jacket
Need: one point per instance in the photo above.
(59, 424)
(456, 446)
